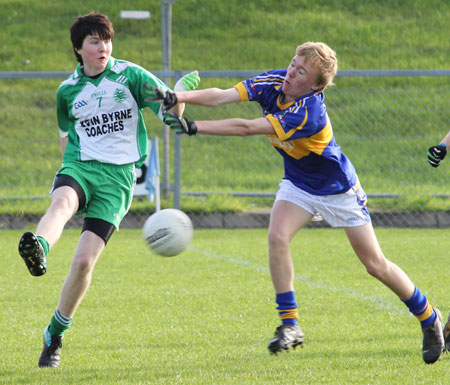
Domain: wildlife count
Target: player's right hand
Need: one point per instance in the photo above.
(436, 154)
(159, 94)
(179, 124)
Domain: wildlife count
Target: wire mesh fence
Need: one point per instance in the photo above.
(385, 125)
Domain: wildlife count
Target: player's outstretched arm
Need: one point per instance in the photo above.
(226, 127)
(210, 97)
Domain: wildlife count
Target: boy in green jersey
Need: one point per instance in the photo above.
(103, 138)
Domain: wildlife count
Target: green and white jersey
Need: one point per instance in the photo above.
(102, 117)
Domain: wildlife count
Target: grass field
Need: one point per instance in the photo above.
(213, 34)
(206, 316)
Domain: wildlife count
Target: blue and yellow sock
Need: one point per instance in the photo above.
(287, 308)
(44, 244)
(418, 305)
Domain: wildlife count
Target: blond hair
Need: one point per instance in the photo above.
(323, 58)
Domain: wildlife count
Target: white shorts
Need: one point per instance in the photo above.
(341, 210)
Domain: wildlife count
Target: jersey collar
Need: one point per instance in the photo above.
(78, 73)
(299, 100)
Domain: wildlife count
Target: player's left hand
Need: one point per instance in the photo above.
(436, 154)
(188, 82)
(159, 94)
(179, 124)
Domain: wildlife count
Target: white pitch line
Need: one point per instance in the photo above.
(387, 305)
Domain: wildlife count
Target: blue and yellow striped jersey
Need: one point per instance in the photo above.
(313, 161)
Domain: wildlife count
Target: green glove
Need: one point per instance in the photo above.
(159, 94)
(179, 124)
(188, 82)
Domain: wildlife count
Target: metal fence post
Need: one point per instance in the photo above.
(177, 161)
(166, 43)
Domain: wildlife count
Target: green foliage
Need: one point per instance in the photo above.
(205, 317)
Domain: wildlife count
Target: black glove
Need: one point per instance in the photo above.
(159, 94)
(436, 154)
(179, 124)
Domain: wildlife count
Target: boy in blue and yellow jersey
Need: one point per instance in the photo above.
(318, 179)
(103, 137)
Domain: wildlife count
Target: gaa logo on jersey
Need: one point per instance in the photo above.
(80, 104)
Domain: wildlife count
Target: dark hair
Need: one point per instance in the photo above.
(94, 23)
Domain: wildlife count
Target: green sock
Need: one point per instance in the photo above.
(44, 244)
(59, 324)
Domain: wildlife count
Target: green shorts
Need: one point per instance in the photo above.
(108, 188)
